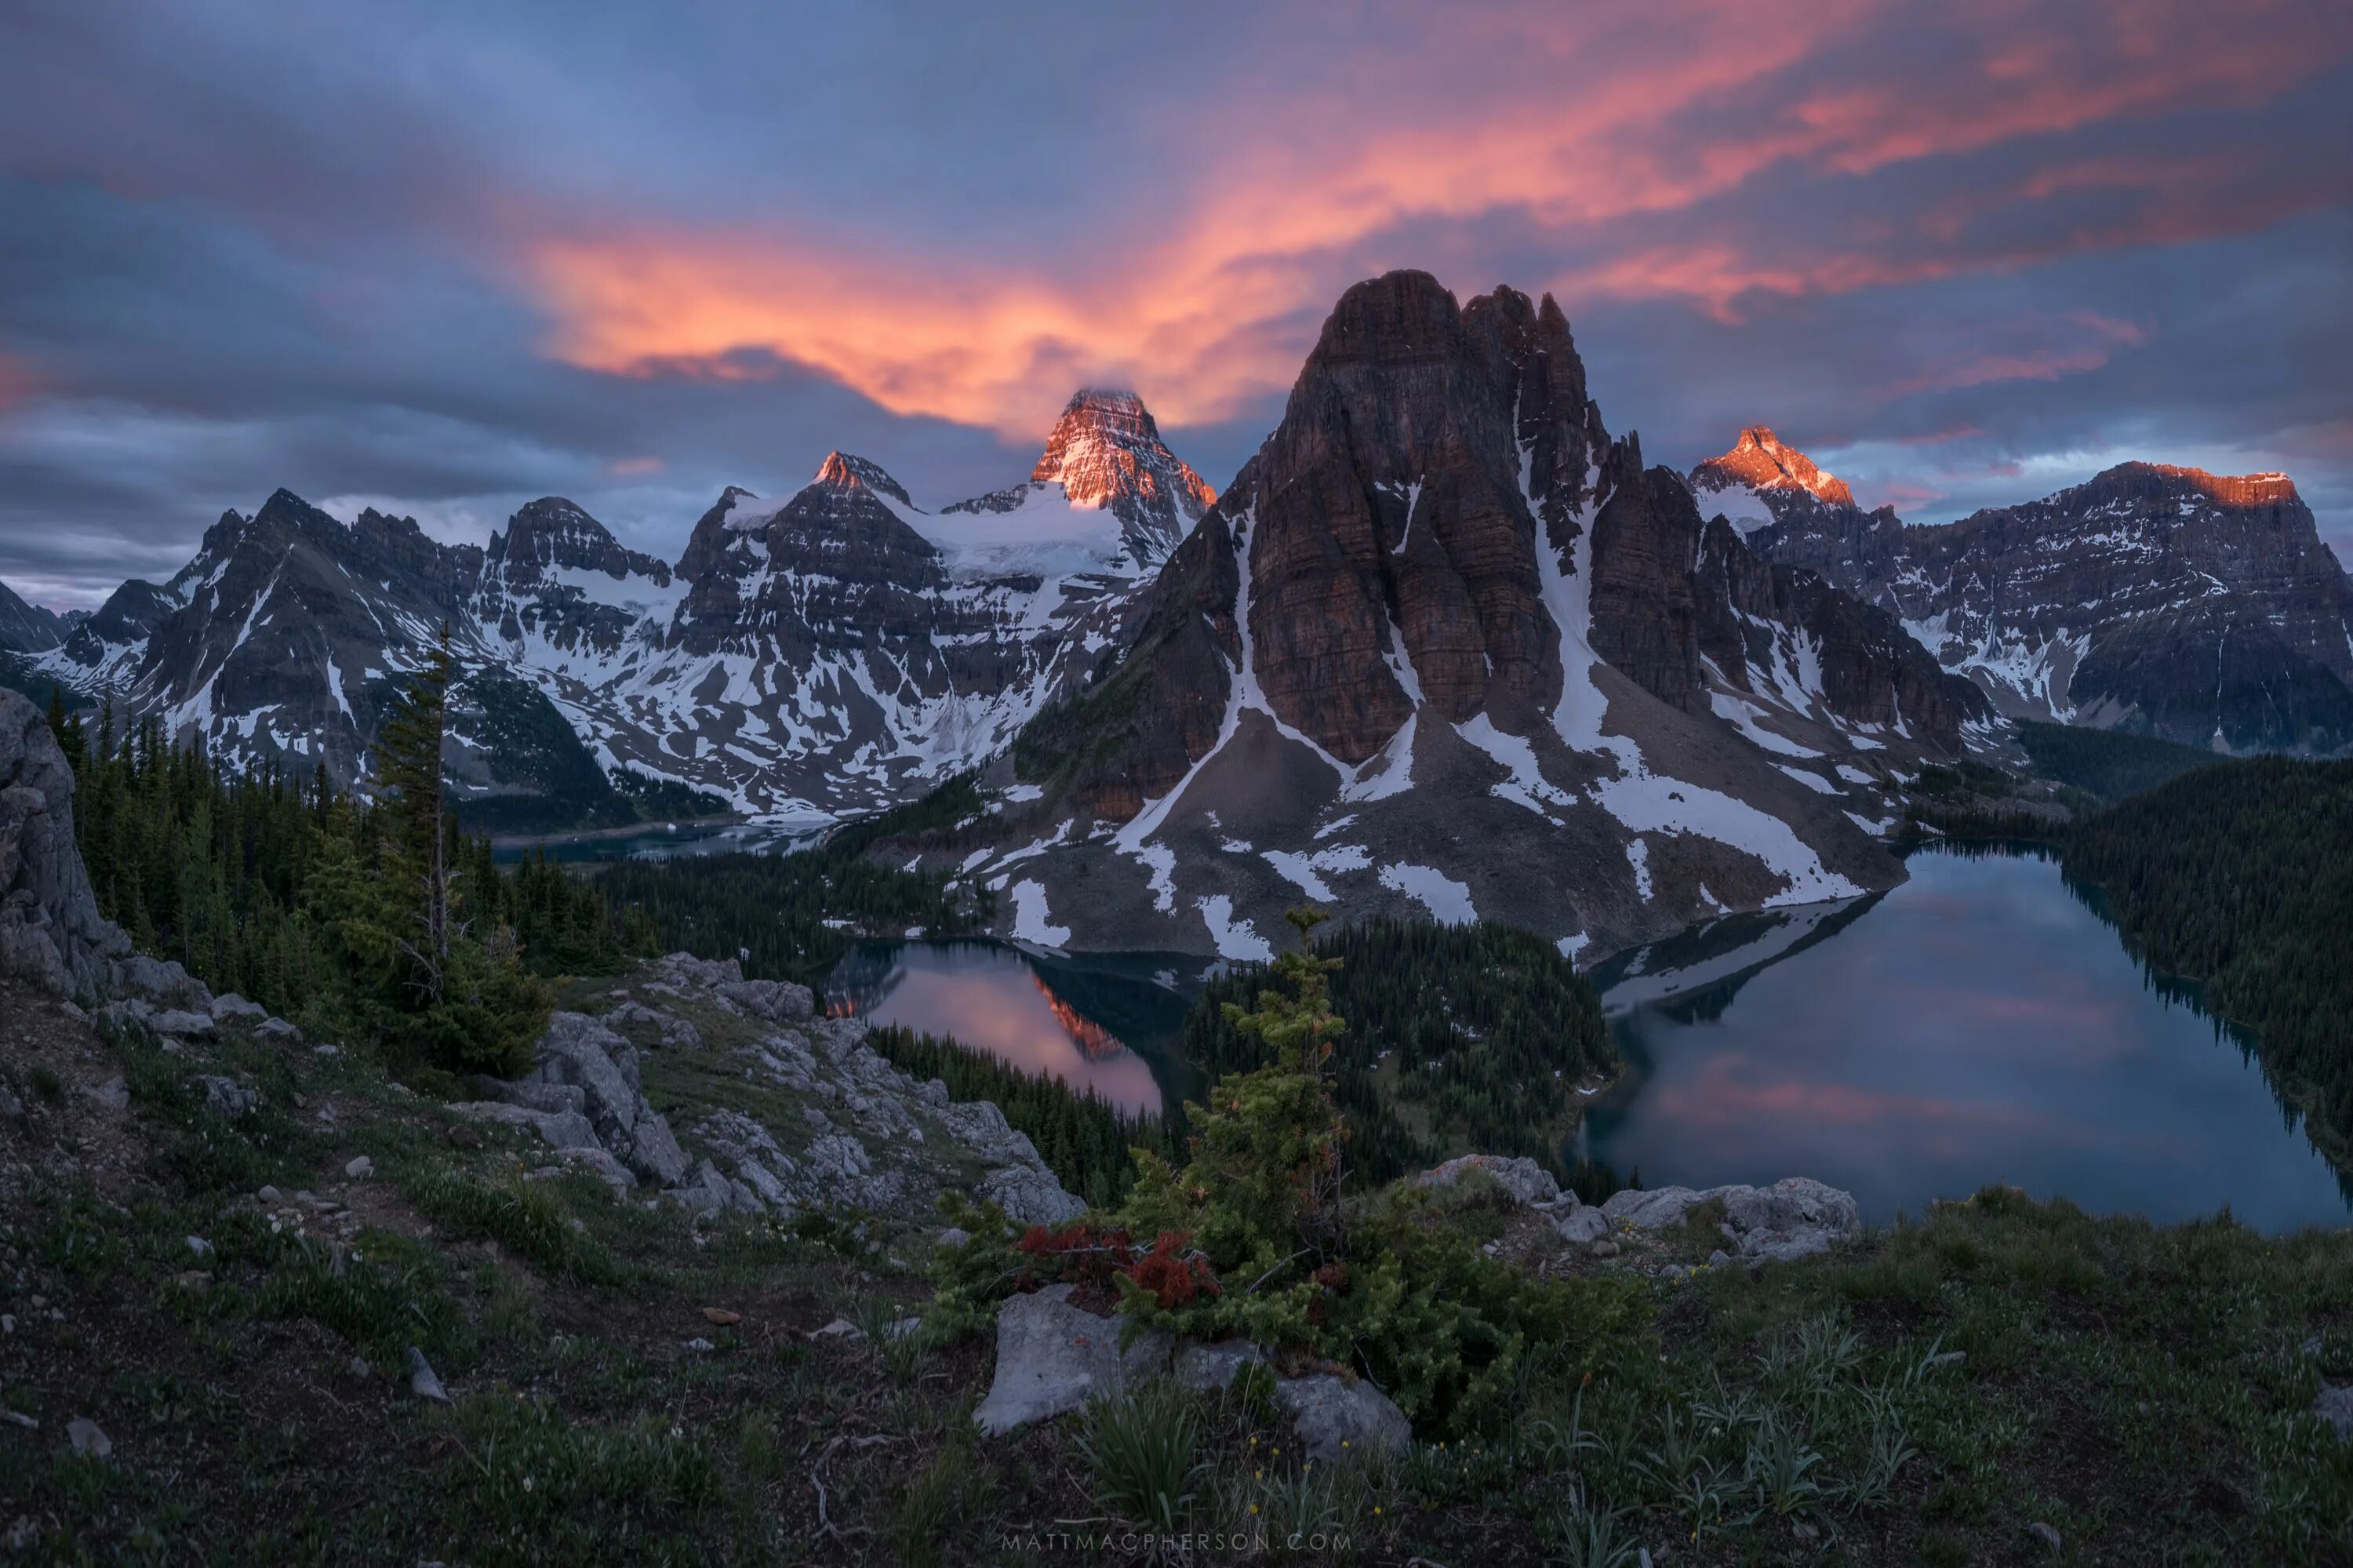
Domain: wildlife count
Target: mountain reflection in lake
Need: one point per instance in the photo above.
(1098, 1028)
(1979, 1024)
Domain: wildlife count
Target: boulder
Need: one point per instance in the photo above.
(1527, 1181)
(1795, 1217)
(1051, 1357)
(2333, 1404)
(182, 1025)
(234, 1009)
(276, 1029)
(1030, 1195)
(1338, 1416)
(1583, 1226)
(227, 1096)
(162, 981)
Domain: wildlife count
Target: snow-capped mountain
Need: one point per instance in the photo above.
(831, 654)
(2170, 602)
(1443, 647)
(1760, 480)
(28, 627)
(1105, 454)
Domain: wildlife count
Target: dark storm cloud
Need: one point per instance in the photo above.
(443, 258)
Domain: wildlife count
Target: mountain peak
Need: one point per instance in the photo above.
(843, 470)
(1760, 460)
(1106, 451)
(2238, 490)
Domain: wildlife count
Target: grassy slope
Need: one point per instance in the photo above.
(2142, 1391)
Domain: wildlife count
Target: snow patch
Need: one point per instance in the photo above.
(1448, 901)
(1232, 938)
(1031, 922)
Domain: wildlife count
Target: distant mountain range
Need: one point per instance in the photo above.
(826, 655)
(1443, 645)
(2196, 607)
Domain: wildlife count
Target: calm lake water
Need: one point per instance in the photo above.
(1980, 1023)
(1111, 1023)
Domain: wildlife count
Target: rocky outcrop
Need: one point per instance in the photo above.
(1794, 1218)
(579, 1053)
(812, 1118)
(50, 929)
(2202, 608)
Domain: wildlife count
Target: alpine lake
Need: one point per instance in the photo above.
(1981, 1024)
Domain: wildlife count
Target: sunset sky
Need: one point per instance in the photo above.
(441, 258)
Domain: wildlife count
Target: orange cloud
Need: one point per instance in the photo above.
(1611, 116)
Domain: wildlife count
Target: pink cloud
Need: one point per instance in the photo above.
(1610, 132)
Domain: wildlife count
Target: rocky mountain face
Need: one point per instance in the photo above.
(1105, 452)
(1759, 479)
(1441, 629)
(833, 654)
(27, 627)
(2168, 601)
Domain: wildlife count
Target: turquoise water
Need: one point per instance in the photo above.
(1980, 1023)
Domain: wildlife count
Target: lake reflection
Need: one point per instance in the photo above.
(1082, 1026)
(1977, 1024)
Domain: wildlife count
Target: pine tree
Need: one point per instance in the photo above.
(1261, 1194)
(407, 764)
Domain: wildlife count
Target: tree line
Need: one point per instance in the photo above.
(2239, 876)
(1084, 1138)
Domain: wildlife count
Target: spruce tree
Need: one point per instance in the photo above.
(408, 775)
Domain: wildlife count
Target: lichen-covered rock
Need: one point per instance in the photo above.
(1052, 1357)
(1795, 1217)
(1526, 1181)
(1336, 1417)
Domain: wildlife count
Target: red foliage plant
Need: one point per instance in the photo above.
(1093, 1255)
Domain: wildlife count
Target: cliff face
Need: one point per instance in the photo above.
(1441, 631)
(2202, 608)
(50, 930)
